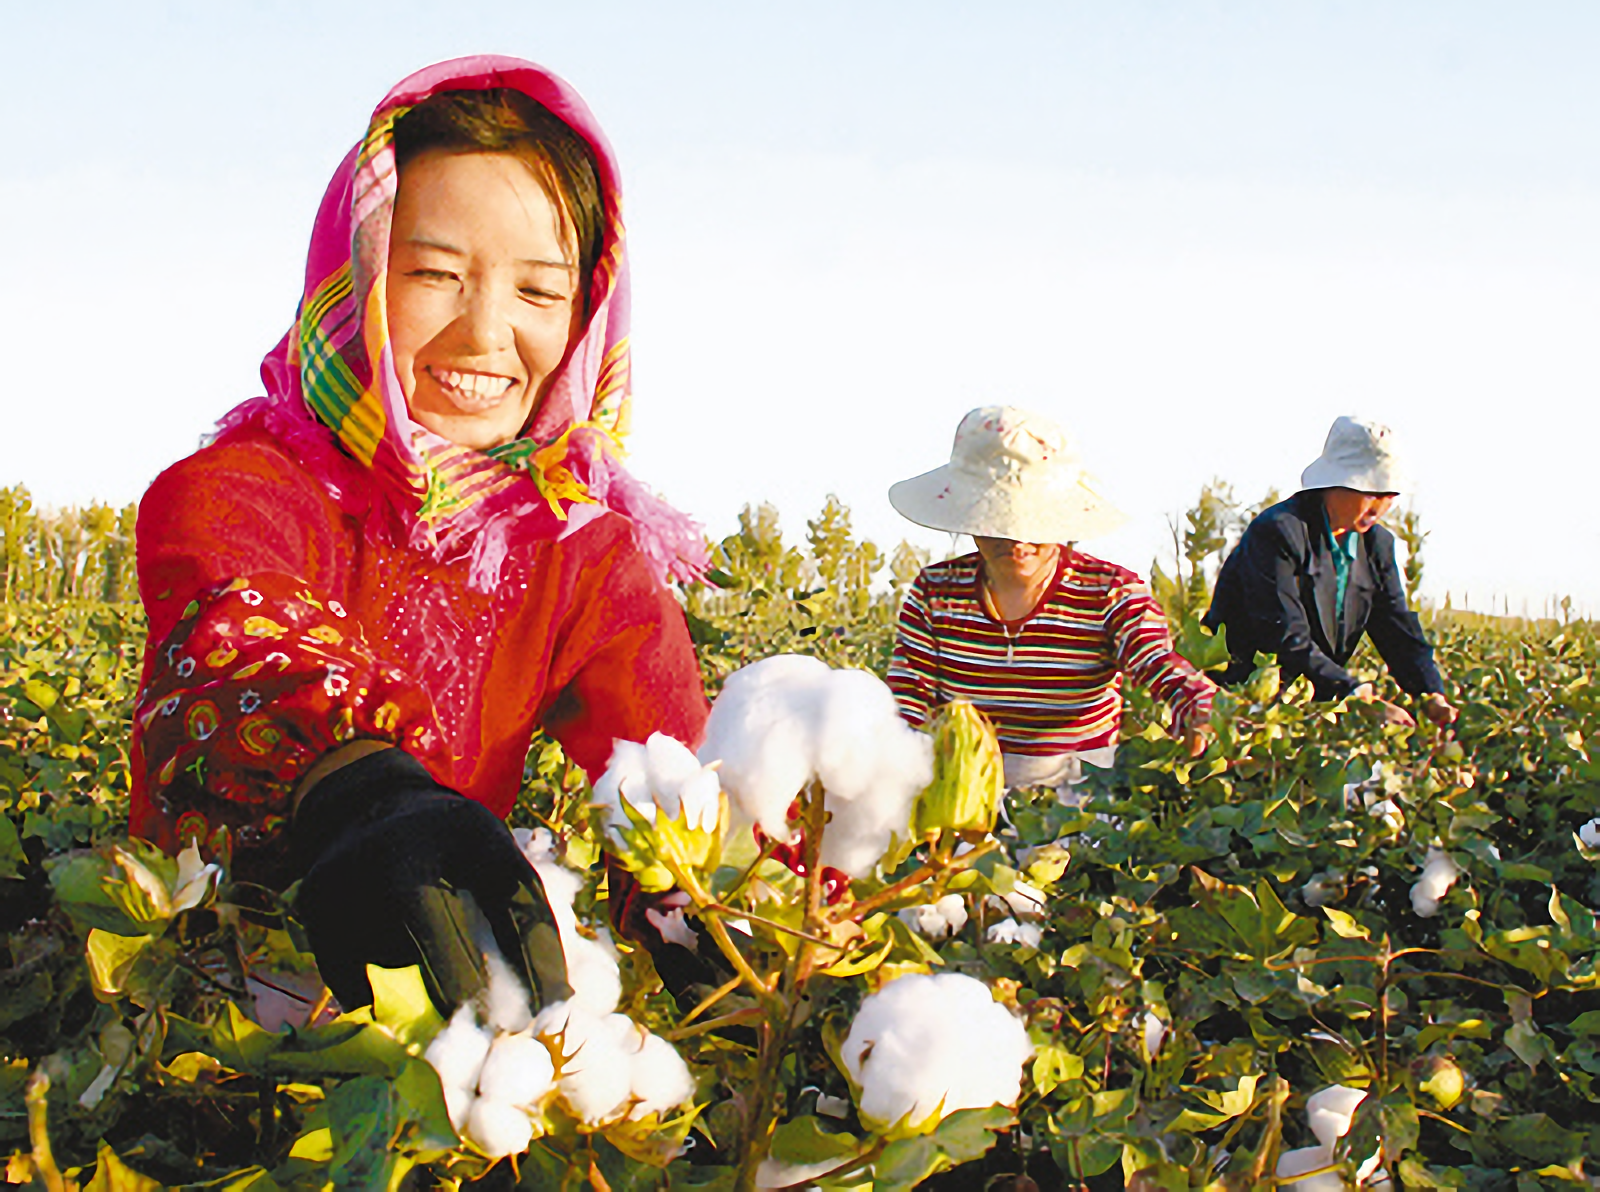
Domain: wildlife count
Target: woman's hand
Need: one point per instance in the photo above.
(1438, 709)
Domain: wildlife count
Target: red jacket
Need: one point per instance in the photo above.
(280, 628)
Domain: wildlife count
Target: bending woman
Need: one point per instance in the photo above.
(1034, 632)
(376, 581)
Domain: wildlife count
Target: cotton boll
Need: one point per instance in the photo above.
(1328, 1112)
(506, 998)
(784, 721)
(592, 972)
(1590, 834)
(458, 1051)
(518, 1071)
(1155, 1032)
(1439, 873)
(596, 1070)
(1009, 931)
(762, 729)
(908, 1056)
(1309, 1158)
(1389, 812)
(498, 1129)
(937, 920)
(660, 1079)
(626, 777)
(537, 844)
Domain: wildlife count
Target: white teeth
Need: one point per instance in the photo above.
(471, 384)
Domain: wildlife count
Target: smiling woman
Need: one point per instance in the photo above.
(379, 579)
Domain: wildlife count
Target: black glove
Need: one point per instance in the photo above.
(401, 871)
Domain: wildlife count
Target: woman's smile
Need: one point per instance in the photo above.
(470, 392)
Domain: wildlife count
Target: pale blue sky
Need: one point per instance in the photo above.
(1194, 232)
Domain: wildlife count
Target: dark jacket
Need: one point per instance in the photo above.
(1276, 593)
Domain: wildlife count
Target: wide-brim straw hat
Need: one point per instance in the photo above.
(1012, 474)
(1358, 455)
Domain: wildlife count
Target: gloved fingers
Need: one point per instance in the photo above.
(449, 934)
(526, 929)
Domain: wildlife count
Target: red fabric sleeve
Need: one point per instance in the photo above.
(1144, 652)
(254, 667)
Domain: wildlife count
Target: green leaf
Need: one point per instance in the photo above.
(11, 855)
(1053, 1065)
(400, 1003)
(111, 958)
(1344, 924)
(905, 1164)
(968, 1134)
(804, 1141)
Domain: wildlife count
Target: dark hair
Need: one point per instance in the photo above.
(501, 120)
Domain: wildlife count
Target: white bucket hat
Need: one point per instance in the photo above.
(1012, 474)
(1360, 455)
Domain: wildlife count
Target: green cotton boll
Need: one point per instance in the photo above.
(968, 774)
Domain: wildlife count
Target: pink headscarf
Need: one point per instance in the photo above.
(333, 397)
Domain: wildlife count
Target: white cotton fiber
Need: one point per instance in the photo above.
(591, 963)
(938, 920)
(786, 720)
(934, 1044)
(1009, 931)
(596, 1064)
(1328, 1112)
(592, 972)
(498, 1129)
(458, 1051)
(1439, 873)
(627, 776)
(660, 1079)
(506, 999)
(458, 1104)
(1590, 834)
(1155, 1032)
(517, 1071)
(1308, 1158)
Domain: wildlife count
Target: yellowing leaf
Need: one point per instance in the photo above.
(112, 1175)
(1344, 924)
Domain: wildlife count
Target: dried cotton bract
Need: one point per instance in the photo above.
(784, 721)
(923, 1047)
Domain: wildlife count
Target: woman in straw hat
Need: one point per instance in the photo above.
(1315, 572)
(1031, 630)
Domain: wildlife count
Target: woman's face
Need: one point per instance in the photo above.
(482, 294)
(1349, 509)
(1016, 562)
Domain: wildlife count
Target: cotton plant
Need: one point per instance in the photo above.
(776, 840)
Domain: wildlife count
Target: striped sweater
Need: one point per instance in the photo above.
(1051, 683)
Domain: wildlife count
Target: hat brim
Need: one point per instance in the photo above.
(1325, 473)
(943, 499)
